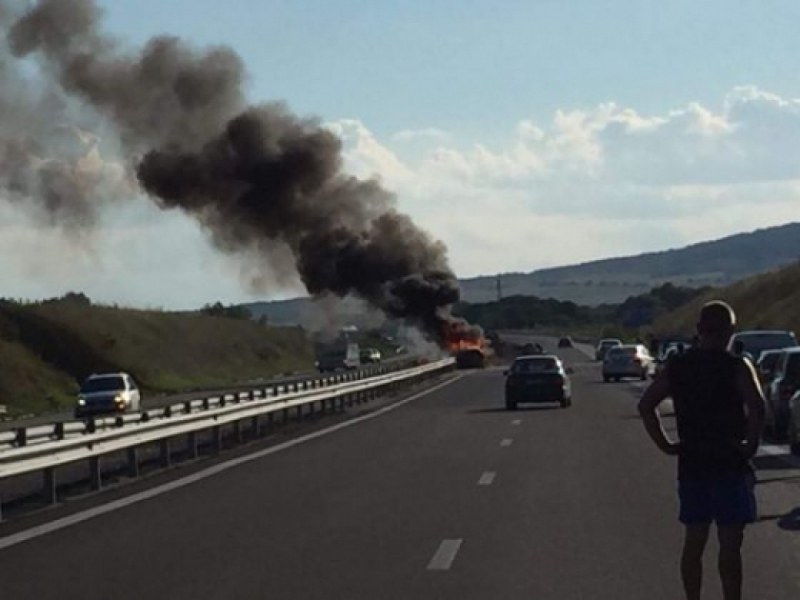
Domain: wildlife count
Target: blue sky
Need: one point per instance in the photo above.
(505, 128)
(476, 67)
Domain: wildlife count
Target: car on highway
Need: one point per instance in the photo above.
(629, 360)
(604, 345)
(765, 367)
(782, 388)
(673, 348)
(565, 342)
(537, 379)
(108, 393)
(531, 348)
(754, 342)
(336, 356)
(370, 356)
(667, 352)
(793, 432)
(470, 358)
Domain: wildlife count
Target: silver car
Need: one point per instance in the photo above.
(754, 343)
(794, 424)
(783, 386)
(604, 346)
(108, 393)
(631, 360)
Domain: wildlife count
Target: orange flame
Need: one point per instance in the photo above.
(459, 336)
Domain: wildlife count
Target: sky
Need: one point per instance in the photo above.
(522, 134)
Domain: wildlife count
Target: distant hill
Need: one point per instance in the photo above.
(716, 263)
(767, 301)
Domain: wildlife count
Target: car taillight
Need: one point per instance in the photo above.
(787, 391)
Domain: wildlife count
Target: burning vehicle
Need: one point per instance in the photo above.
(467, 344)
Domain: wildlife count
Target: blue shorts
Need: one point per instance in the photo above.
(725, 500)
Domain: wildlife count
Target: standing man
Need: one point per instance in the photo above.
(719, 409)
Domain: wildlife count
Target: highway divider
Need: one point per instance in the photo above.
(43, 449)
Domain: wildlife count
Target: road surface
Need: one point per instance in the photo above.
(445, 497)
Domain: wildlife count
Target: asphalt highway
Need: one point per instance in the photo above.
(447, 496)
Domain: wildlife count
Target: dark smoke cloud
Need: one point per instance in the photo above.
(50, 161)
(253, 176)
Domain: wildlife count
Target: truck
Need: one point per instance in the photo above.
(337, 355)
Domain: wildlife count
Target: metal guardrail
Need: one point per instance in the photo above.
(45, 448)
(26, 435)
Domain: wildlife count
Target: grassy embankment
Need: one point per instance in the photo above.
(47, 348)
(768, 301)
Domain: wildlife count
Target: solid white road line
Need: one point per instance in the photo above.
(487, 478)
(781, 452)
(772, 450)
(79, 517)
(516, 422)
(445, 555)
(506, 442)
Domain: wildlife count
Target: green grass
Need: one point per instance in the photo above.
(47, 348)
(28, 385)
(768, 301)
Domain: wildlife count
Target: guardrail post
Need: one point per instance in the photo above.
(58, 430)
(187, 407)
(49, 490)
(164, 452)
(133, 461)
(91, 425)
(95, 474)
(216, 438)
(21, 438)
(191, 443)
(254, 426)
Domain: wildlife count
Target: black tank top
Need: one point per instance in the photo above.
(710, 413)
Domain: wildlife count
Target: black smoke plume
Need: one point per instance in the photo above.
(253, 176)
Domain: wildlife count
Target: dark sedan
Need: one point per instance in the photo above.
(535, 379)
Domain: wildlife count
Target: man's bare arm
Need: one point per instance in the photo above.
(750, 392)
(654, 395)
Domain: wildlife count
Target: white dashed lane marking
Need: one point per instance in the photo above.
(445, 555)
(516, 422)
(506, 442)
(487, 478)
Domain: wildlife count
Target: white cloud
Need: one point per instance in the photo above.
(586, 184)
(427, 133)
(603, 182)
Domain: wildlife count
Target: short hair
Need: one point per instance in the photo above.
(716, 317)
